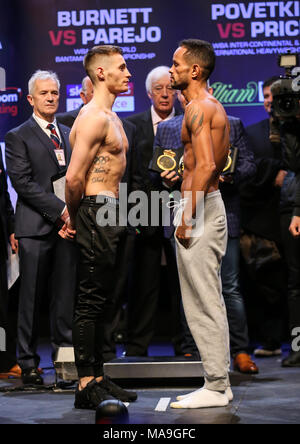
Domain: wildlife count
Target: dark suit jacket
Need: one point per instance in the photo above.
(68, 117)
(245, 171)
(143, 155)
(6, 212)
(31, 162)
(260, 198)
(145, 140)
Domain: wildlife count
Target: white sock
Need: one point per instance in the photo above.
(228, 393)
(201, 399)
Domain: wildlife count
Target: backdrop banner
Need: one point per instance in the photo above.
(55, 35)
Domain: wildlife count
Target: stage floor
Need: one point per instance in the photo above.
(272, 397)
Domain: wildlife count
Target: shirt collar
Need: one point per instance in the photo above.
(43, 123)
(157, 119)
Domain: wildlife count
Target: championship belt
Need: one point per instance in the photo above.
(166, 160)
(231, 161)
(173, 160)
(181, 166)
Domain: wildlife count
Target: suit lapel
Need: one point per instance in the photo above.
(44, 139)
(148, 126)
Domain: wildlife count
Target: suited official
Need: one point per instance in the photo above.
(148, 248)
(260, 199)
(267, 210)
(34, 154)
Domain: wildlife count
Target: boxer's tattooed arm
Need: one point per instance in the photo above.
(194, 120)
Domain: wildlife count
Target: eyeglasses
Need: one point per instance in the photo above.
(161, 89)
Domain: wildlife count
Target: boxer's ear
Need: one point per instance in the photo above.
(196, 71)
(100, 73)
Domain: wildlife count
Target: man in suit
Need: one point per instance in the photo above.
(260, 198)
(169, 136)
(86, 94)
(36, 151)
(148, 247)
(8, 360)
(268, 206)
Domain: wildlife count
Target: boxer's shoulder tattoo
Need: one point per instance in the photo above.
(194, 120)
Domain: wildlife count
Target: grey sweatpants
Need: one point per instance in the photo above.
(201, 289)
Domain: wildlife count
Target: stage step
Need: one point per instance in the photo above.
(132, 367)
(153, 368)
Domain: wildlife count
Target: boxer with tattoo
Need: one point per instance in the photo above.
(97, 166)
(205, 135)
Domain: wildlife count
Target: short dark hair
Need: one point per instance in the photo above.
(270, 81)
(102, 50)
(200, 52)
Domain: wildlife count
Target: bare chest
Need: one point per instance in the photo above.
(116, 141)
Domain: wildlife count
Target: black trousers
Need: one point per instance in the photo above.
(7, 358)
(47, 266)
(291, 247)
(143, 298)
(120, 298)
(264, 282)
(100, 249)
(145, 292)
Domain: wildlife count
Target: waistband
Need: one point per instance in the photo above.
(100, 199)
(213, 194)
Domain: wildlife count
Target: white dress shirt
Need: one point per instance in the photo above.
(43, 125)
(156, 119)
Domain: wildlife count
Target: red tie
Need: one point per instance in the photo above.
(54, 136)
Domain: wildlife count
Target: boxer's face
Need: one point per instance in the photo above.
(180, 70)
(116, 74)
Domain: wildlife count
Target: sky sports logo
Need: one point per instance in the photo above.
(123, 103)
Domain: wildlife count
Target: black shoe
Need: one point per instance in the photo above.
(293, 360)
(116, 391)
(32, 376)
(91, 396)
(109, 356)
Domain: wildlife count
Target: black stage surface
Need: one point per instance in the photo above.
(272, 397)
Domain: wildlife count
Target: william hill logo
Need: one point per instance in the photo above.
(9, 99)
(250, 95)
